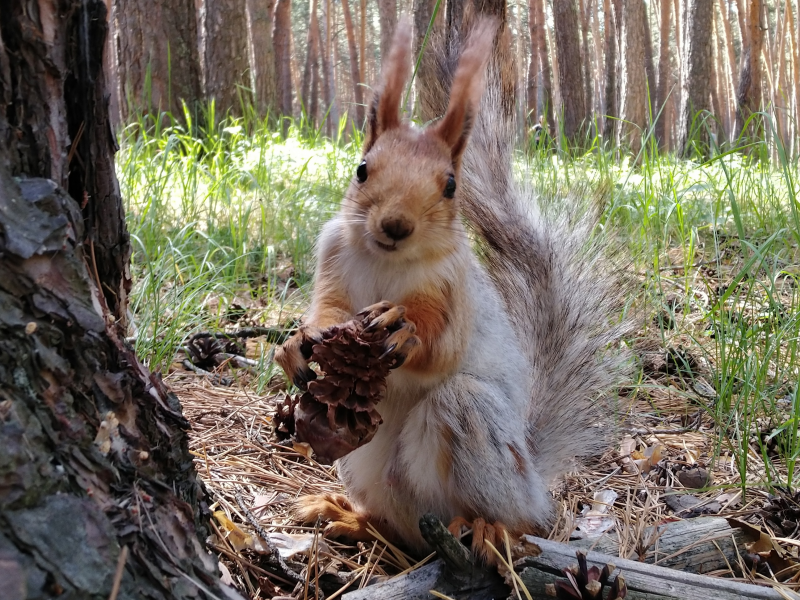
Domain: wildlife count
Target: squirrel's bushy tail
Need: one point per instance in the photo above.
(554, 269)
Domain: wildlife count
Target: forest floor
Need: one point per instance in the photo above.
(223, 227)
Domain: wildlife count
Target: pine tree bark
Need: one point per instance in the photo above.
(387, 13)
(282, 43)
(610, 95)
(664, 78)
(224, 53)
(155, 51)
(311, 65)
(328, 80)
(586, 60)
(597, 71)
(532, 92)
(794, 92)
(649, 66)
(696, 73)
(91, 444)
(540, 38)
(355, 71)
(262, 55)
(633, 79)
(571, 103)
(730, 66)
(748, 93)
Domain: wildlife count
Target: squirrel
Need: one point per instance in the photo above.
(504, 361)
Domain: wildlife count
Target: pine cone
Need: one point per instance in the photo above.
(284, 418)
(585, 583)
(337, 414)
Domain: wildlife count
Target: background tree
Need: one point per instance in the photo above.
(262, 55)
(156, 56)
(539, 38)
(388, 18)
(664, 77)
(225, 57)
(355, 71)
(633, 80)
(92, 443)
(611, 13)
(571, 105)
(748, 93)
(282, 42)
(697, 70)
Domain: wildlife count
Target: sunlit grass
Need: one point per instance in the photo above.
(231, 207)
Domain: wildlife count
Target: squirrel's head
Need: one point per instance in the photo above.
(403, 198)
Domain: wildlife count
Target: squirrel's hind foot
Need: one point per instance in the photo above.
(343, 520)
(483, 534)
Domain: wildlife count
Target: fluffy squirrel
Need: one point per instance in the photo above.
(505, 363)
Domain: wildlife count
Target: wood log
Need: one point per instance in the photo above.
(698, 545)
(458, 577)
(645, 582)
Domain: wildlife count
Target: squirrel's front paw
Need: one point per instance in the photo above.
(402, 340)
(294, 353)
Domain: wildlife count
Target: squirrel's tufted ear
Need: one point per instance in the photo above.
(467, 88)
(384, 108)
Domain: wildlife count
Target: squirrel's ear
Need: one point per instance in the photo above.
(467, 88)
(384, 108)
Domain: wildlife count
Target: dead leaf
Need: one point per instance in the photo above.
(237, 538)
(695, 479)
(303, 448)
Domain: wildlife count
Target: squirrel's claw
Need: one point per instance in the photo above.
(343, 519)
(483, 534)
(392, 316)
(294, 353)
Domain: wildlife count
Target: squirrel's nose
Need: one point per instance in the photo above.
(397, 229)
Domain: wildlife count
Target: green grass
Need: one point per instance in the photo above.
(222, 212)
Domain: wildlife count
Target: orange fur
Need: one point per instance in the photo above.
(483, 534)
(444, 462)
(522, 468)
(336, 509)
(430, 311)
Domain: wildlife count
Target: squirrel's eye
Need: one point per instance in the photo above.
(361, 172)
(450, 188)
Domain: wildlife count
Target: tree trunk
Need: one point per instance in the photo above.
(224, 53)
(362, 41)
(281, 41)
(794, 92)
(633, 84)
(95, 470)
(311, 62)
(355, 72)
(533, 68)
(571, 99)
(586, 61)
(328, 81)
(262, 55)
(540, 38)
(782, 99)
(156, 56)
(610, 105)
(748, 94)
(649, 67)
(696, 73)
(597, 73)
(730, 67)
(387, 11)
(664, 78)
